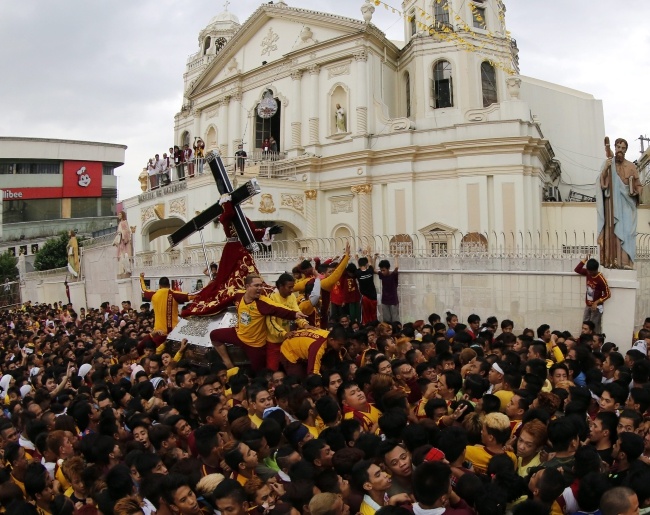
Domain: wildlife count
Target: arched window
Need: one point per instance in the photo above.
(442, 91)
(412, 23)
(441, 14)
(185, 139)
(206, 45)
(407, 86)
(488, 84)
(401, 245)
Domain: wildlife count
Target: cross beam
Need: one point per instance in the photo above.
(238, 196)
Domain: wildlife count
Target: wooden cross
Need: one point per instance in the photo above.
(241, 194)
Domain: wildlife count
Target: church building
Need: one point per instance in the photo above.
(433, 141)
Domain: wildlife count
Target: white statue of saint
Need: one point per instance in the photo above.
(340, 119)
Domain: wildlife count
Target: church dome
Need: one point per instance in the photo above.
(224, 17)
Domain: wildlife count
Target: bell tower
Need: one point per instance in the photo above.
(465, 20)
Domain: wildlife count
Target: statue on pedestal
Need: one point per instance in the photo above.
(73, 255)
(123, 243)
(341, 125)
(617, 198)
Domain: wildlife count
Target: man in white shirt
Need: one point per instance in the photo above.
(167, 163)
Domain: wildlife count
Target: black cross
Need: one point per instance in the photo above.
(238, 196)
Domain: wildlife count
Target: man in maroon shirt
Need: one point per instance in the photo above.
(597, 292)
(389, 299)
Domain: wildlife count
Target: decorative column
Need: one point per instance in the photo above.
(225, 128)
(235, 120)
(363, 193)
(361, 57)
(311, 213)
(296, 110)
(197, 124)
(314, 72)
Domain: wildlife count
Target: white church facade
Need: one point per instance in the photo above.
(432, 138)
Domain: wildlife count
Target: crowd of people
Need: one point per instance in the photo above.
(178, 164)
(341, 413)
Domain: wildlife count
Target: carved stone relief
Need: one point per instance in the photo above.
(294, 201)
(266, 203)
(341, 204)
(268, 44)
(178, 206)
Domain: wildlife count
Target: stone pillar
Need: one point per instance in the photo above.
(361, 57)
(311, 213)
(314, 72)
(234, 127)
(620, 309)
(363, 193)
(225, 133)
(296, 110)
(197, 125)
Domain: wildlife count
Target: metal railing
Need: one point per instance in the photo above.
(272, 166)
(528, 247)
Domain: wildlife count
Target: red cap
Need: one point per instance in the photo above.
(434, 455)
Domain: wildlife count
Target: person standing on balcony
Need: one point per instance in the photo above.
(167, 163)
(187, 158)
(273, 145)
(151, 171)
(240, 159)
(158, 167)
(178, 162)
(199, 153)
(389, 299)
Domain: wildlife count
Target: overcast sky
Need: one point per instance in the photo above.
(112, 71)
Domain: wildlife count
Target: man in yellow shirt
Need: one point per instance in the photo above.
(259, 399)
(356, 406)
(303, 352)
(369, 478)
(327, 282)
(494, 435)
(165, 307)
(279, 328)
(251, 331)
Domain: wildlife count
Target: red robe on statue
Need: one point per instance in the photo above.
(236, 263)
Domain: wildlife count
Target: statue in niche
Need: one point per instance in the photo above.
(341, 122)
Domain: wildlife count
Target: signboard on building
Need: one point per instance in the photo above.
(30, 193)
(82, 179)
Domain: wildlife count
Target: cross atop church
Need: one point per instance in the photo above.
(241, 194)
(225, 5)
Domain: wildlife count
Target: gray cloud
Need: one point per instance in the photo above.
(113, 71)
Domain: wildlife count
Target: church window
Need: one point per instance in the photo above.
(185, 139)
(442, 91)
(488, 84)
(407, 87)
(206, 45)
(478, 15)
(441, 14)
(413, 23)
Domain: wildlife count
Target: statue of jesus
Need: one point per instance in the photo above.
(617, 198)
